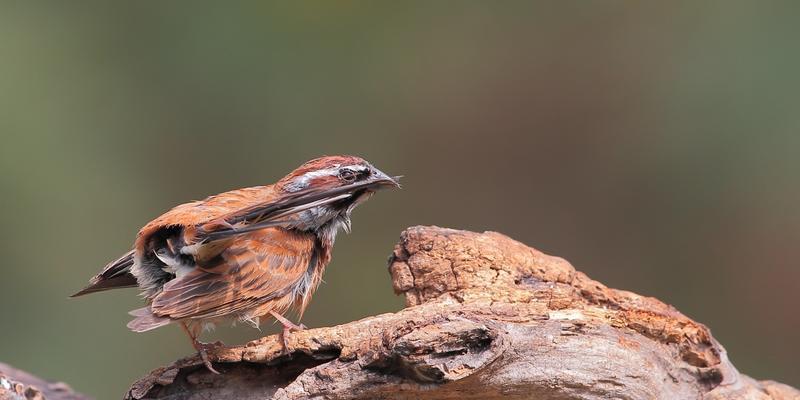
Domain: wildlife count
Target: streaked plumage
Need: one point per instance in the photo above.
(243, 254)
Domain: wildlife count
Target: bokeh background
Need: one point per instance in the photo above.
(655, 146)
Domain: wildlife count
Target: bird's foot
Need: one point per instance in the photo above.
(288, 327)
(203, 349)
(285, 335)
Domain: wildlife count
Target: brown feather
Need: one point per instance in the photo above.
(196, 213)
(259, 270)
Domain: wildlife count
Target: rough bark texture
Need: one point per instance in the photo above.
(20, 385)
(487, 317)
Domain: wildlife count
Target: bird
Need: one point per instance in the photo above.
(245, 254)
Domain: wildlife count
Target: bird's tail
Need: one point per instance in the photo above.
(115, 275)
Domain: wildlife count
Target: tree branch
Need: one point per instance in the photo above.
(16, 384)
(487, 317)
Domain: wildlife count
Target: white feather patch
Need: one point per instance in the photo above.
(302, 181)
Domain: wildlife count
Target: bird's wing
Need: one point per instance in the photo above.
(213, 208)
(179, 226)
(282, 210)
(276, 211)
(230, 214)
(256, 268)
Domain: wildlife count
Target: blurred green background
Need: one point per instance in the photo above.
(654, 146)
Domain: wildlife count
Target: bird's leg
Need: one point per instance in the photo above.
(288, 326)
(202, 348)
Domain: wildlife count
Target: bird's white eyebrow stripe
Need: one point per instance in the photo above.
(334, 170)
(321, 172)
(302, 181)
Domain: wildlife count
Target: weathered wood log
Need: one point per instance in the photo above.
(487, 317)
(16, 384)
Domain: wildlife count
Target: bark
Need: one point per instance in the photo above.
(487, 318)
(19, 385)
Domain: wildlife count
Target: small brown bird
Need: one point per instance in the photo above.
(244, 254)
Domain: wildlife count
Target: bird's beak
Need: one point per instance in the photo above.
(380, 180)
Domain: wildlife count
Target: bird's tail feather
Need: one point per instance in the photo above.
(145, 320)
(115, 275)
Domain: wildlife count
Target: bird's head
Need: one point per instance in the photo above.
(329, 188)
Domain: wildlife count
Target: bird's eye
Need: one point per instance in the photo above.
(347, 175)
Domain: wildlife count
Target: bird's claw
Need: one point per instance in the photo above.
(207, 362)
(288, 326)
(202, 351)
(285, 341)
